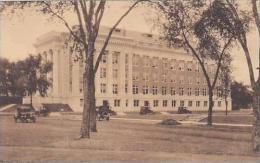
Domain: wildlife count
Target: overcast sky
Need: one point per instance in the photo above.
(17, 35)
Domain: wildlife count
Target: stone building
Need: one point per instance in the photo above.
(137, 69)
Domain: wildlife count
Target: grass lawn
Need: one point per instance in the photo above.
(54, 139)
(234, 119)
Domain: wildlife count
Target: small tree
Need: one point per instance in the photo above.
(225, 80)
(34, 76)
(242, 97)
(4, 76)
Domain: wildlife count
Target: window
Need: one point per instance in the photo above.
(189, 91)
(135, 76)
(126, 59)
(155, 103)
(198, 81)
(173, 92)
(145, 76)
(135, 89)
(165, 103)
(204, 92)
(135, 60)
(190, 103)
(115, 73)
(146, 61)
(155, 90)
(164, 91)
(145, 90)
(173, 103)
(103, 73)
(136, 103)
(116, 103)
(81, 102)
(104, 57)
(126, 103)
(197, 103)
(205, 103)
(103, 88)
(197, 91)
(181, 91)
(181, 103)
(126, 88)
(164, 78)
(115, 89)
(115, 57)
(219, 103)
(219, 92)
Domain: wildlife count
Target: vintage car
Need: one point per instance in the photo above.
(103, 112)
(25, 113)
(183, 110)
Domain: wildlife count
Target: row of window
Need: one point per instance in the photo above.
(154, 90)
(165, 103)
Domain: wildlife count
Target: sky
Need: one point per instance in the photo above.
(19, 33)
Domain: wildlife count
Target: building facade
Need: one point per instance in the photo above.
(137, 69)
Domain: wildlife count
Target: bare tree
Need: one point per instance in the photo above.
(89, 14)
(193, 26)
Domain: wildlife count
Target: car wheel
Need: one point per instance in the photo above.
(107, 118)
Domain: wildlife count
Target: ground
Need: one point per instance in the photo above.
(53, 138)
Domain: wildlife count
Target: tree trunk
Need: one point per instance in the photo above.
(31, 99)
(84, 133)
(226, 104)
(209, 122)
(256, 123)
(93, 121)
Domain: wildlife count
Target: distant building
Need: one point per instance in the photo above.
(136, 70)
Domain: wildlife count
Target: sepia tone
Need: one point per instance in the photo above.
(139, 100)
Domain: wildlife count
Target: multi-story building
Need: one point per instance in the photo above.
(137, 69)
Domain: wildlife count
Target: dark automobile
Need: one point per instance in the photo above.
(25, 113)
(103, 112)
(183, 110)
(145, 110)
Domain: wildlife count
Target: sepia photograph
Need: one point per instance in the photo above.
(130, 81)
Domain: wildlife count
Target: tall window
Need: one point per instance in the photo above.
(135, 60)
(136, 103)
(115, 89)
(164, 92)
(104, 56)
(145, 76)
(189, 91)
(155, 90)
(165, 103)
(145, 90)
(173, 92)
(81, 102)
(197, 103)
(155, 103)
(126, 88)
(181, 91)
(115, 57)
(135, 89)
(115, 73)
(205, 103)
(103, 88)
(173, 103)
(103, 73)
(135, 76)
(197, 91)
(204, 92)
(116, 103)
(181, 103)
(190, 103)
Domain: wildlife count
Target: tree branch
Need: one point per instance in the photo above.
(219, 61)
(63, 20)
(111, 32)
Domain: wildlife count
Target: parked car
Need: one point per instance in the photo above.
(183, 110)
(103, 112)
(25, 113)
(145, 110)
